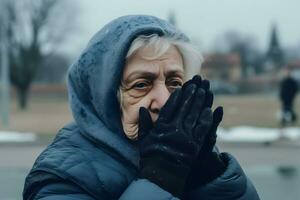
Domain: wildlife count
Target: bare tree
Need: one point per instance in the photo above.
(244, 45)
(35, 28)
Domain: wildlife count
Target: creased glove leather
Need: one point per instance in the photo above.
(170, 146)
(208, 165)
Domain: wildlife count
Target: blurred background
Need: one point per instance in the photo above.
(248, 46)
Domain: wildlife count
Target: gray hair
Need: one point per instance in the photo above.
(192, 58)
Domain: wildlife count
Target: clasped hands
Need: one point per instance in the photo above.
(175, 148)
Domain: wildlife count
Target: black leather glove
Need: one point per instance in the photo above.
(170, 146)
(209, 164)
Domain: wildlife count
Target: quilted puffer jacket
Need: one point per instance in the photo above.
(92, 158)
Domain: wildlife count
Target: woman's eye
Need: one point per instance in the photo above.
(140, 86)
(175, 83)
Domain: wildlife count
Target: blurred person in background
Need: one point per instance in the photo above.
(141, 130)
(287, 94)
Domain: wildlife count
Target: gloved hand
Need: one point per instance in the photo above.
(170, 146)
(209, 165)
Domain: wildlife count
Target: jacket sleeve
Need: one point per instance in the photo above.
(233, 184)
(61, 191)
(47, 186)
(146, 190)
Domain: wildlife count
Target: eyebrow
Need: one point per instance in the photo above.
(140, 74)
(174, 73)
(150, 75)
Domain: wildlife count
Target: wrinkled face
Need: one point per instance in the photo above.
(148, 83)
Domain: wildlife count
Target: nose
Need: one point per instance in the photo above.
(159, 96)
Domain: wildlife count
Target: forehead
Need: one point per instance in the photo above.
(171, 60)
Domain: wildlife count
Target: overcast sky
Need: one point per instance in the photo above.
(201, 20)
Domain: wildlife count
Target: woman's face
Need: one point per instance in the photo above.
(148, 83)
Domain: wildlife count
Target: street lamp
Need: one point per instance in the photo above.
(5, 83)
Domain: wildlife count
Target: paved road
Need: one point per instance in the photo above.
(274, 169)
(248, 154)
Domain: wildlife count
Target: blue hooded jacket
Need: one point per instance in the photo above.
(92, 158)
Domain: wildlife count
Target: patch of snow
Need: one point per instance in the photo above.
(255, 134)
(235, 134)
(11, 136)
(292, 133)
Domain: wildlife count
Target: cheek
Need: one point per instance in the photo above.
(130, 107)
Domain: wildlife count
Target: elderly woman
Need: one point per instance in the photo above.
(141, 130)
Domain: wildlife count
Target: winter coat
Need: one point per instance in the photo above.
(92, 158)
(288, 90)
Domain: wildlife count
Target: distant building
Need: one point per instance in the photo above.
(222, 67)
(261, 72)
(274, 60)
